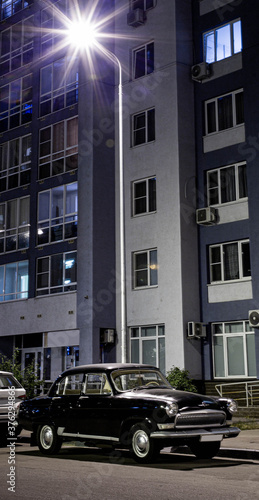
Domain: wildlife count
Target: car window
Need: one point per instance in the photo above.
(71, 384)
(97, 383)
(126, 380)
(7, 381)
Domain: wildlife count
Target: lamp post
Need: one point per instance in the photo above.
(83, 35)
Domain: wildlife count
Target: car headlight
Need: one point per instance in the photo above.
(171, 409)
(232, 406)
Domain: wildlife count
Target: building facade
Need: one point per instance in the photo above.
(190, 200)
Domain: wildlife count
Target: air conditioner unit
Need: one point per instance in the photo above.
(196, 330)
(136, 17)
(254, 319)
(108, 336)
(200, 71)
(206, 216)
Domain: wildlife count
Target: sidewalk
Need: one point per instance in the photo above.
(245, 445)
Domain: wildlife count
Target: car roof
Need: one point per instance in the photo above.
(6, 373)
(100, 367)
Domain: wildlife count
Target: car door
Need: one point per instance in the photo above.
(65, 400)
(92, 411)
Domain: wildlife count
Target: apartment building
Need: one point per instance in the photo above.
(189, 167)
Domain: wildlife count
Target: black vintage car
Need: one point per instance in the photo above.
(127, 406)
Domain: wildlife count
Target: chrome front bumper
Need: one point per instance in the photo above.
(225, 432)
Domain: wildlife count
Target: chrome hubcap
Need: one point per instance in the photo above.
(46, 437)
(140, 443)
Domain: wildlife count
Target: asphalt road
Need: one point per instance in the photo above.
(79, 473)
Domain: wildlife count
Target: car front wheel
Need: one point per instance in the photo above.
(48, 441)
(205, 450)
(143, 448)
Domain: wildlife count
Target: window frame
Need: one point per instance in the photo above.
(221, 264)
(20, 168)
(12, 4)
(58, 288)
(148, 195)
(246, 331)
(55, 98)
(218, 186)
(148, 269)
(145, 128)
(15, 294)
(15, 233)
(62, 220)
(213, 32)
(136, 337)
(17, 57)
(215, 100)
(18, 91)
(48, 159)
(146, 60)
(134, 4)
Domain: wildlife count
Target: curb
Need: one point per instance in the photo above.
(238, 453)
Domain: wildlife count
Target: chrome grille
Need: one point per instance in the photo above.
(200, 418)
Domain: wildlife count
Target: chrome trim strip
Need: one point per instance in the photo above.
(225, 431)
(85, 436)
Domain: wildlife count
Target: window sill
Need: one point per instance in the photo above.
(223, 139)
(230, 291)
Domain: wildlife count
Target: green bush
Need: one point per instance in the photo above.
(26, 377)
(180, 379)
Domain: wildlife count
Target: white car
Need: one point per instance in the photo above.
(11, 395)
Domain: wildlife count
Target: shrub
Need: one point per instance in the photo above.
(180, 379)
(26, 377)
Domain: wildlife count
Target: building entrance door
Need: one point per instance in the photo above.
(33, 356)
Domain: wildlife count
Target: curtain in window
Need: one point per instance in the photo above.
(225, 113)
(228, 185)
(58, 139)
(231, 267)
(242, 181)
(72, 132)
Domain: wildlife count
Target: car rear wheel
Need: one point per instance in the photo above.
(205, 450)
(143, 449)
(48, 441)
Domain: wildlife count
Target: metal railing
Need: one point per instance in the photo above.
(245, 393)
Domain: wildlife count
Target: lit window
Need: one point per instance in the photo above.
(230, 261)
(57, 214)
(56, 273)
(222, 42)
(10, 7)
(14, 224)
(16, 103)
(227, 184)
(14, 281)
(145, 268)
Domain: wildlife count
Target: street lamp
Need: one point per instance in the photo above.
(84, 35)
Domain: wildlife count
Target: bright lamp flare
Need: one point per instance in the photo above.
(82, 34)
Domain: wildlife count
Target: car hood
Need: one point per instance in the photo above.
(182, 398)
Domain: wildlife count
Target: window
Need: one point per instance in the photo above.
(16, 46)
(227, 184)
(58, 150)
(142, 4)
(145, 268)
(14, 281)
(14, 224)
(143, 127)
(52, 20)
(148, 345)
(15, 163)
(10, 7)
(233, 350)
(222, 42)
(16, 103)
(56, 273)
(230, 261)
(58, 85)
(57, 214)
(144, 196)
(143, 60)
(224, 112)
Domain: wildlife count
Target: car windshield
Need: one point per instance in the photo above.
(128, 380)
